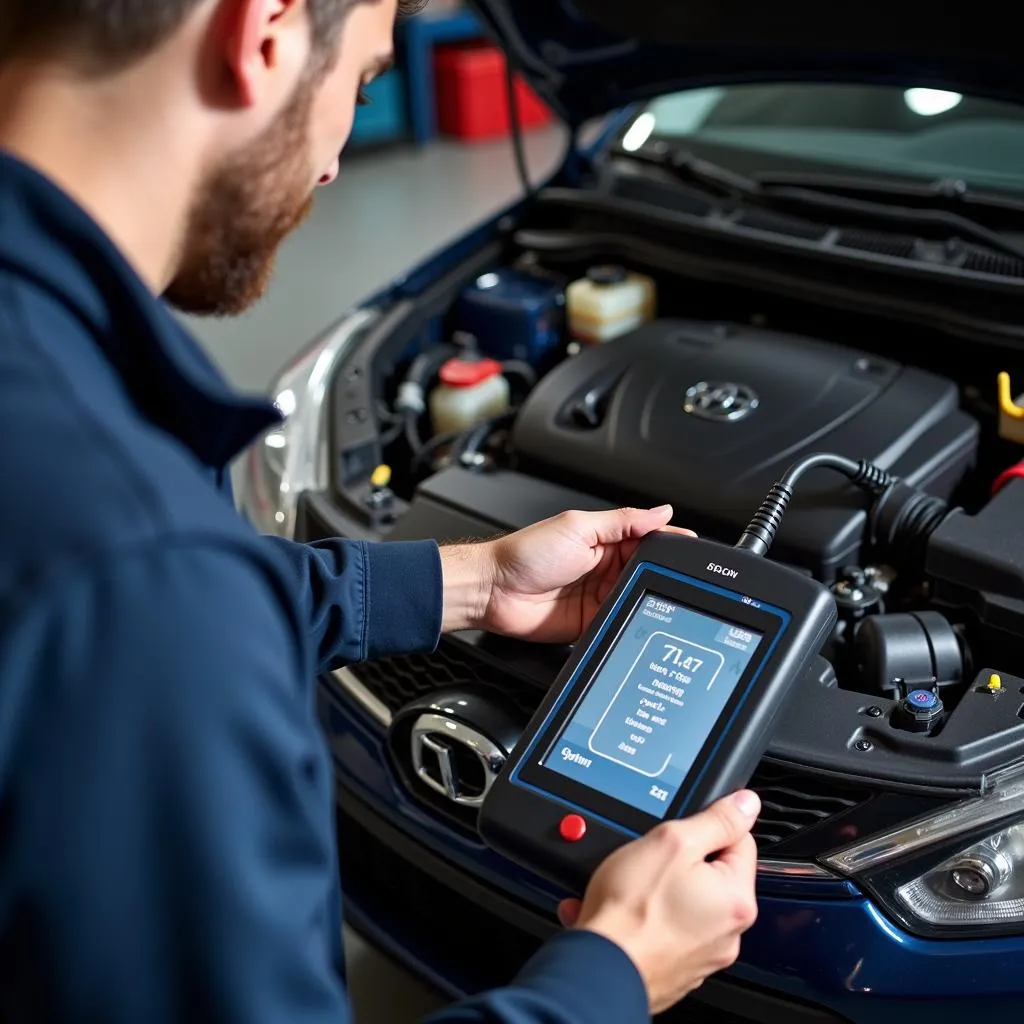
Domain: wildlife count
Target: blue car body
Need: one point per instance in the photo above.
(820, 950)
(426, 890)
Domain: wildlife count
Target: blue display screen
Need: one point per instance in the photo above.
(652, 705)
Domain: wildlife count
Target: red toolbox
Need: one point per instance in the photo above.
(472, 99)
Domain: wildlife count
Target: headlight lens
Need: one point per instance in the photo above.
(956, 873)
(980, 886)
(294, 456)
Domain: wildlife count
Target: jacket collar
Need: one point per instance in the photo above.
(47, 237)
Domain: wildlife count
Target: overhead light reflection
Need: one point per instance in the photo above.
(639, 132)
(929, 102)
(286, 402)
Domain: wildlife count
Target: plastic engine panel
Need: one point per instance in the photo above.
(708, 416)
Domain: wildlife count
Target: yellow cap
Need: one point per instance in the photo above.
(994, 682)
(1006, 403)
(381, 476)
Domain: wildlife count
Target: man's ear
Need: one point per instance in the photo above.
(265, 43)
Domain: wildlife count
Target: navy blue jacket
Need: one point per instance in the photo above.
(167, 851)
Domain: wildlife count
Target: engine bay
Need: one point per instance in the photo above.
(525, 386)
(708, 416)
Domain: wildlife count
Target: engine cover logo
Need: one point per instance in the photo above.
(720, 400)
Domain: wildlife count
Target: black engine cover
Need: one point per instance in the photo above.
(708, 416)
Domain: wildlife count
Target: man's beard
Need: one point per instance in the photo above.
(242, 213)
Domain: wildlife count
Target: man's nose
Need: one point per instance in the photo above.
(330, 174)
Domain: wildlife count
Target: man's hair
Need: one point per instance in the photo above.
(105, 35)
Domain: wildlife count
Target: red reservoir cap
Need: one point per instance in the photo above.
(466, 373)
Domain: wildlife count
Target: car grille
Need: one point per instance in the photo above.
(396, 681)
(792, 801)
(475, 943)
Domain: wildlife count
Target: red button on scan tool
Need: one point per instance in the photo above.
(572, 828)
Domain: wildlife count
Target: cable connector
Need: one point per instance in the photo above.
(902, 522)
(410, 398)
(872, 478)
(761, 530)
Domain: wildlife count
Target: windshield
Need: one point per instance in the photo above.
(919, 133)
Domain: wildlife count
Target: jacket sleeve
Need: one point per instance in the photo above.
(168, 816)
(575, 978)
(169, 850)
(367, 600)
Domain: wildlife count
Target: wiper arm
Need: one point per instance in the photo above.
(685, 166)
(907, 216)
(824, 192)
(946, 193)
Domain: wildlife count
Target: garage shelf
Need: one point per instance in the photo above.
(420, 34)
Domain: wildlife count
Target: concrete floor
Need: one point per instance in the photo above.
(385, 213)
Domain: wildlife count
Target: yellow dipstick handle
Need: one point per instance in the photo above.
(995, 683)
(381, 477)
(1006, 402)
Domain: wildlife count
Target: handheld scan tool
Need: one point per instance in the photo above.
(668, 700)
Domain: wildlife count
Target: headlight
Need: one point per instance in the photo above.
(294, 457)
(982, 885)
(956, 873)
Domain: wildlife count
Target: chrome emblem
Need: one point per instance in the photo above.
(720, 400)
(454, 759)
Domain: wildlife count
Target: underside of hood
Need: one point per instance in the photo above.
(588, 57)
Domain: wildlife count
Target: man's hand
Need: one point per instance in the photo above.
(545, 582)
(676, 914)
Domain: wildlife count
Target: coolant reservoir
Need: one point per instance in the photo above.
(470, 391)
(608, 302)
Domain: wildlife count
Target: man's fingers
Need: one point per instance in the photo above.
(723, 824)
(569, 912)
(740, 859)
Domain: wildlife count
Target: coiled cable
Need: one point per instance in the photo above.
(765, 523)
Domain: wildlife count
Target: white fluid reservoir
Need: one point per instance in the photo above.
(610, 301)
(470, 391)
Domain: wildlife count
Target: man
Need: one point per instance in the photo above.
(167, 843)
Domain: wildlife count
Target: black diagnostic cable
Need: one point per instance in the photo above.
(902, 517)
(761, 530)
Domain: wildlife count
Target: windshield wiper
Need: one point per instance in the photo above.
(878, 201)
(910, 217)
(686, 167)
(953, 194)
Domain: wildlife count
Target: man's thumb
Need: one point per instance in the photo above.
(638, 522)
(725, 822)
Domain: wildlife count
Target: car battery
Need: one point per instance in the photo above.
(513, 315)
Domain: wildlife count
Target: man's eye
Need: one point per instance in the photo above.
(362, 99)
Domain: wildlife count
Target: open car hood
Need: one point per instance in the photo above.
(588, 57)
